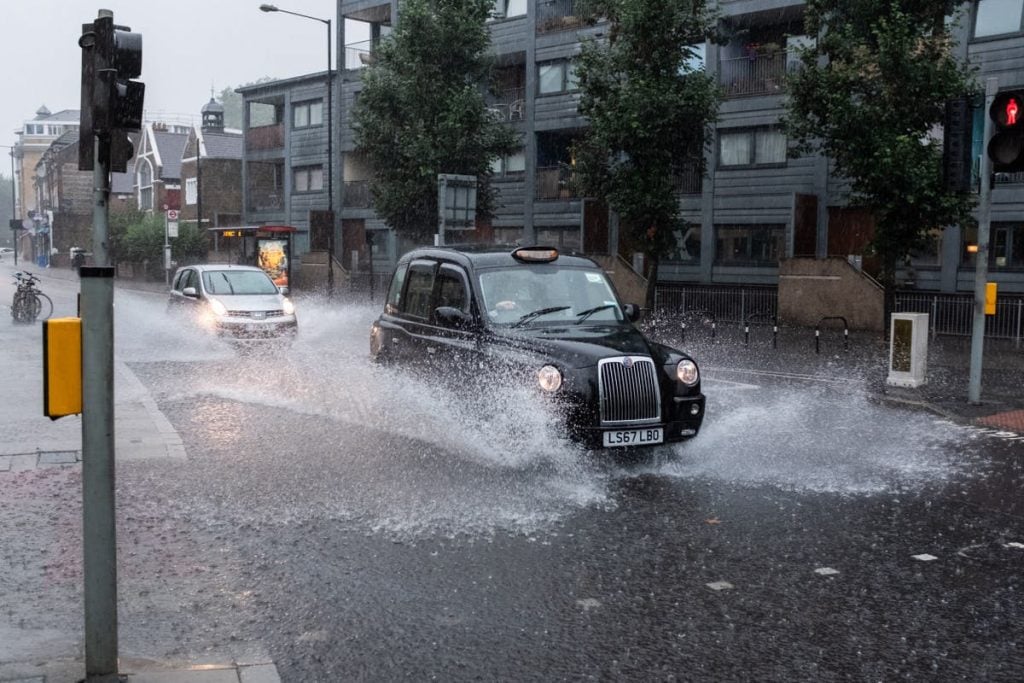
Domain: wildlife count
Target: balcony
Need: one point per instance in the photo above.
(688, 181)
(509, 105)
(756, 74)
(557, 15)
(263, 138)
(266, 201)
(556, 182)
(359, 55)
(357, 194)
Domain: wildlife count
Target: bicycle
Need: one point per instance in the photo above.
(29, 303)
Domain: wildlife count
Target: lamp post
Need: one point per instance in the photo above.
(330, 138)
(14, 203)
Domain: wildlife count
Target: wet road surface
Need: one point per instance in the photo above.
(363, 523)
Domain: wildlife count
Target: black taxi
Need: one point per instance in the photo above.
(552, 319)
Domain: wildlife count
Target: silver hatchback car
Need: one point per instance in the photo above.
(238, 303)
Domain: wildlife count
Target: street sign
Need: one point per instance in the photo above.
(172, 223)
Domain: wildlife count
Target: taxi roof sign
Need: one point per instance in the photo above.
(535, 254)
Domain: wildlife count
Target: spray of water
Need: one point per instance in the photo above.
(453, 456)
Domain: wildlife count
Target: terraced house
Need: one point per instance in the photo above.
(752, 210)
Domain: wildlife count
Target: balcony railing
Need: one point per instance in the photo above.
(509, 105)
(265, 137)
(357, 194)
(758, 74)
(358, 55)
(689, 181)
(557, 15)
(264, 200)
(556, 182)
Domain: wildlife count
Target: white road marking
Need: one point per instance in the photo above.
(924, 557)
(719, 585)
(826, 571)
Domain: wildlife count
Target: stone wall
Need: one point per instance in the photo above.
(811, 289)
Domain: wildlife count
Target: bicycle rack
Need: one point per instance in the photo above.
(817, 332)
(701, 315)
(761, 315)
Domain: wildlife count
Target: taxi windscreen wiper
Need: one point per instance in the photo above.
(583, 315)
(536, 314)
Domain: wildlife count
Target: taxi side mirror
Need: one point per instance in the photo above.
(283, 289)
(190, 292)
(632, 312)
(450, 316)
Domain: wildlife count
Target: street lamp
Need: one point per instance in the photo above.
(14, 203)
(330, 138)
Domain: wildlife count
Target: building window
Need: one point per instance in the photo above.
(191, 190)
(308, 179)
(511, 165)
(1006, 247)
(760, 147)
(998, 17)
(306, 114)
(145, 183)
(506, 9)
(557, 76)
(756, 245)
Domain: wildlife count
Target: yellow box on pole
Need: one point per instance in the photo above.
(990, 298)
(62, 367)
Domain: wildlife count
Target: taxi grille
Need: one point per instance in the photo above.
(629, 392)
(258, 315)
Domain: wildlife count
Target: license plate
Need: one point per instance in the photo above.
(633, 437)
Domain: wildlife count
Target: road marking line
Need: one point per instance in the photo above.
(719, 585)
(924, 557)
(826, 571)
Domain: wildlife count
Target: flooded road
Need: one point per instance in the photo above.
(355, 522)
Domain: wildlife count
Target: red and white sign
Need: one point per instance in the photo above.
(172, 214)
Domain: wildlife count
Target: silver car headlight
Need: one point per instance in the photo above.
(218, 308)
(549, 378)
(687, 373)
(288, 306)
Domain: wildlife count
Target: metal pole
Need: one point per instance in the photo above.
(98, 509)
(14, 202)
(330, 166)
(981, 259)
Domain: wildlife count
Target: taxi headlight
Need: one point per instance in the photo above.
(687, 373)
(289, 307)
(549, 378)
(218, 308)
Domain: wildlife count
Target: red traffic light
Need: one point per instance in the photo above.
(1007, 110)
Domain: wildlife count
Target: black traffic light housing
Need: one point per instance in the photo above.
(1006, 148)
(112, 103)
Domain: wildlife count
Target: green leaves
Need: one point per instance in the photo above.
(422, 112)
(869, 97)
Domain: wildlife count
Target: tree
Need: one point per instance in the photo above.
(232, 103)
(869, 96)
(649, 105)
(422, 112)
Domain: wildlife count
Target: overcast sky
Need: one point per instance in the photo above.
(188, 46)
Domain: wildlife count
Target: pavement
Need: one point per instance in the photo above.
(30, 441)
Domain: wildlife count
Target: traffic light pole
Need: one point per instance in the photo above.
(981, 258)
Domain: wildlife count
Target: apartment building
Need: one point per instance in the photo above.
(753, 207)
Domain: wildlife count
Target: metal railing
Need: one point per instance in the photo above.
(726, 304)
(357, 194)
(358, 55)
(953, 314)
(759, 74)
(557, 15)
(688, 181)
(556, 182)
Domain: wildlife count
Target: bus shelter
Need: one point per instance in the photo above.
(266, 246)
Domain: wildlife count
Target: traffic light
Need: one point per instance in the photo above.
(112, 103)
(1006, 148)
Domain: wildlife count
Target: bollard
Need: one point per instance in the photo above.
(775, 336)
(746, 334)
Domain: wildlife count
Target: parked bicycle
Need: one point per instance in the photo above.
(29, 303)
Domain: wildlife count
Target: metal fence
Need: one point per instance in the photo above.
(949, 314)
(953, 314)
(727, 304)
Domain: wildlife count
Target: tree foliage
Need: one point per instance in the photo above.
(869, 95)
(232, 103)
(138, 237)
(6, 211)
(422, 112)
(649, 105)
